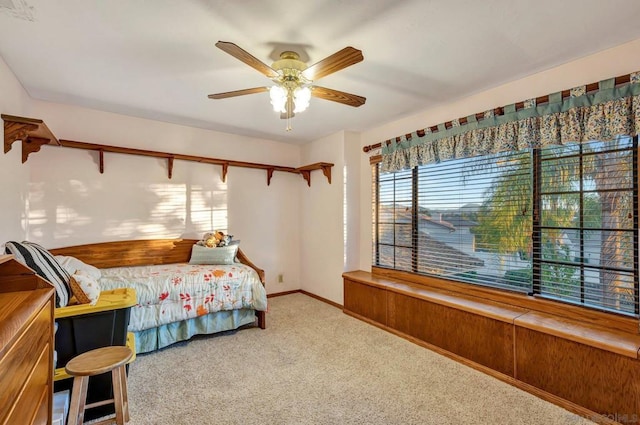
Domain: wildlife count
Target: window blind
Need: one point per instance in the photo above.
(587, 249)
(556, 222)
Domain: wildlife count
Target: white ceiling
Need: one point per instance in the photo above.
(157, 59)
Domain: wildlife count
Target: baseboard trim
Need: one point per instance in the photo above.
(308, 294)
(280, 294)
(324, 300)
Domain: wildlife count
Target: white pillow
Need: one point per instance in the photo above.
(85, 288)
(219, 255)
(72, 265)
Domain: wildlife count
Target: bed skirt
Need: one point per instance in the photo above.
(165, 335)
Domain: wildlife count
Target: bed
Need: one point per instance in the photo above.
(176, 300)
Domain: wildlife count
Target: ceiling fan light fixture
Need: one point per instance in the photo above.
(301, 98)
(278, 95)
(281, 95)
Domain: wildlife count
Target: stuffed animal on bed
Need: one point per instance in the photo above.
(215, 239)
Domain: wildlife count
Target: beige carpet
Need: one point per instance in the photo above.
(315, 365)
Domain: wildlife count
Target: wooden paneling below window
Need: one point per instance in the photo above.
(366, 301)
(581, 365)
(486, 341)
(603, 381)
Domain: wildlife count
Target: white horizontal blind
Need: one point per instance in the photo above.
(588, 250)
(475, 220)
(457, 229)
(394, 225)
(557, 222)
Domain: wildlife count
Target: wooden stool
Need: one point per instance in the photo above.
(96, 362)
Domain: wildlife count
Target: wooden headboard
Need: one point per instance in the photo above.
(140, 253)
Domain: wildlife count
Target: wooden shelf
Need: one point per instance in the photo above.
(307, 169)
(34, 133)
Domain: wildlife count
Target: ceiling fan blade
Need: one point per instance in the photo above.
(247, 58)
(238, 93)
(338, 96)
(337, 61)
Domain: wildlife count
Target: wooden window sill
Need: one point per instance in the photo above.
(485, 308)
(581, 331)
(595, 336)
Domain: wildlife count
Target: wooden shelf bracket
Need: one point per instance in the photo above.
(32, 144)
(101, 159)
(269, 175)
(33, 133)
(326, 170)
(225, 168)
(306, 174)
(170, 166)
(307, 169)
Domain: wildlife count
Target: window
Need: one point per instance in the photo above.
(558, 222)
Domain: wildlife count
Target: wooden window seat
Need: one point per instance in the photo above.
(589, 365)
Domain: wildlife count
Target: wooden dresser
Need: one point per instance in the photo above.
(26, 345)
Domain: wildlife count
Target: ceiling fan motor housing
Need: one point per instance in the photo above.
(289, 68)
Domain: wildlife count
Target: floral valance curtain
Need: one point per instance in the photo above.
(603, 115)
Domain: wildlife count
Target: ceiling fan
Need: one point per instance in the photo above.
(293, 79)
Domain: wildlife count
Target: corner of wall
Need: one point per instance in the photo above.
(13, 101)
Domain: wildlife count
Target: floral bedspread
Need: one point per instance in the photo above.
(173, 292)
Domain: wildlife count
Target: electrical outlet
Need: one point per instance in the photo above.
(280, 278)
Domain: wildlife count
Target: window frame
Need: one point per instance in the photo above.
(535, 292)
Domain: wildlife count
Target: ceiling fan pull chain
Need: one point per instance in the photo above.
(289, 109)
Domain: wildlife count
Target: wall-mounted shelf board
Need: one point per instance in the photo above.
(34, 133)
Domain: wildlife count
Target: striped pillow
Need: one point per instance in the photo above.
(42, 262)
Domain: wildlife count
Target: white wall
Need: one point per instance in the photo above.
(610, 63)
(269, 220)
(59, 198)
(352, 184)
(13, 176)
(330, 215)
(322, 253)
